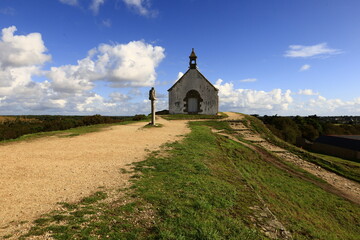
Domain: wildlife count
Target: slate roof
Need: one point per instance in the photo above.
(349, 142)
(184, 77)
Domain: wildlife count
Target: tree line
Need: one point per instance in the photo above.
(310, 127)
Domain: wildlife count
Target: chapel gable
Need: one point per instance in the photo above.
(193, 93)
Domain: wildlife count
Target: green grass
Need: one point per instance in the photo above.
(351, 168)
(157, 125)
(196, 191)
(67, 224)
(193, 116)
(306, 210)
(204, 187)
(93, 198)
(218, 125)
(338, 160)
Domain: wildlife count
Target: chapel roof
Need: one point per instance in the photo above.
(192, 72)
(186, 75)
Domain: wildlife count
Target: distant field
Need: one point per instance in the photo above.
(3, 119)
(14, 118)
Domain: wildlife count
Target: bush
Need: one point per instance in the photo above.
(162, 112)
(139, 117)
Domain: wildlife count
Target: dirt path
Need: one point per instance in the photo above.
(338, 185)
(36, 175)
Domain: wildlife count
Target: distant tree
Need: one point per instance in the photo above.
(309, 132)
(283, 127)
(310, 127)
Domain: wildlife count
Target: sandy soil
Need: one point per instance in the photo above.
(37, 174)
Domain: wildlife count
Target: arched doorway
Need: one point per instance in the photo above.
(192, 102)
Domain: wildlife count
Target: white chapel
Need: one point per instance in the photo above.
(193, 93)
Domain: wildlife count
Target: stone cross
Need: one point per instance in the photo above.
(152, 97)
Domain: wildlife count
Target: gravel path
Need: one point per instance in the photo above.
(37, 174)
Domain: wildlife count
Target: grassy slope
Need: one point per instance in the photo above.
(203, 188)
(348, 169)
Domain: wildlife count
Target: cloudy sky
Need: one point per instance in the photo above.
(83, 57)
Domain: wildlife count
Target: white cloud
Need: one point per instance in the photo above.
(141, 6)
(329, 107)
(7, 11)
(21, 57)
(61, 103)
(119, 97)
(29, 98)
(321, 98)
(95, 5)
(308, 92)
(16, 77)
(129, 65)
(301, 51)
(70, 88)
(249, 80)
(122, 65)
(180, 74)
(135, 92)
(304, 67)
(90, 104)
(252, 101)
(73, 78)
(282, 102)
(106, 22)
(21, 50)
(70, 2)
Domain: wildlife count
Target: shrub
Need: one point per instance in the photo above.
(139, 117)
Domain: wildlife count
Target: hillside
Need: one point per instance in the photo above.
(225, 180)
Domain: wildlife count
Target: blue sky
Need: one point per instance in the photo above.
(297, 57)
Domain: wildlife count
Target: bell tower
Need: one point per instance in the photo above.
(193, 58)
